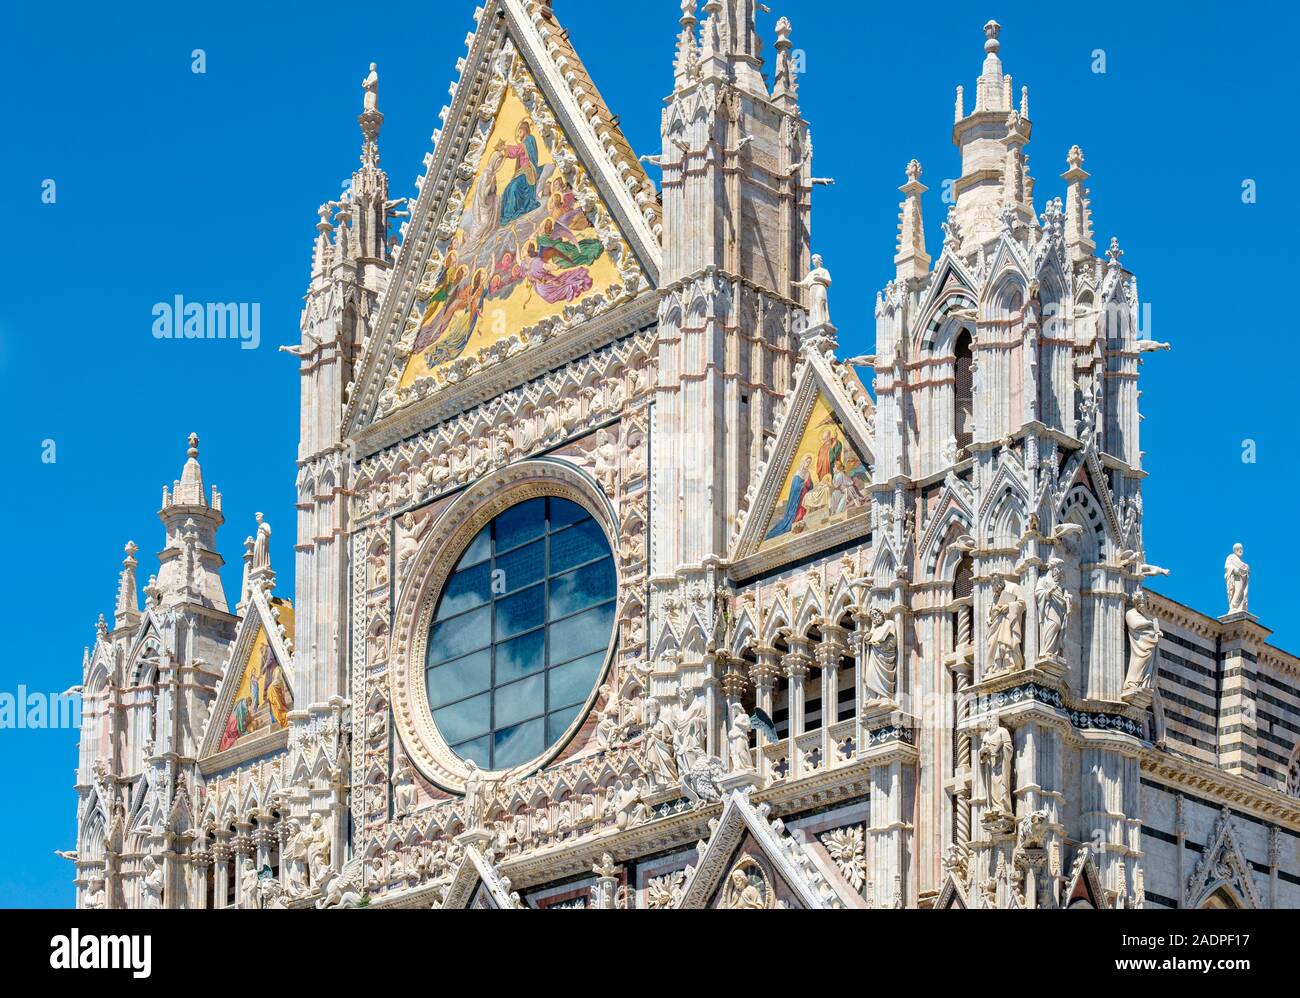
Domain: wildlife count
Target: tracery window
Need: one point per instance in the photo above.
(521, 632)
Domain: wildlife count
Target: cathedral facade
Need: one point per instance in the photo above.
(617, 587)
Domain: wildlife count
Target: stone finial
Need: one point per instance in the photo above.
(246, 586)
(1078, 211)
(786, 87)
(687, 64)
(993, 92)
(911, 259)
(128, 605)
(1114, 253)
(188, 489)
(991, 31)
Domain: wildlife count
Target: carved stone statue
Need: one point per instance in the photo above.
(628, 804)
(688, 729)
(881, 674)
(606, 457)
(1006, 628)
(747, 887)
(1143, 639)
(476, 791)
(660, 759)
(318, 851)
(1054, 604)
(262, 544)
(151, 888)
(1236, 576)
(248, 897)
(738, 731)
(404, 790)
(818, 283)
(371, 86)
(94, 899)
(997, 756)
(295, 855)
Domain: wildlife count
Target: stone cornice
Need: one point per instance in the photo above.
(1240, 792)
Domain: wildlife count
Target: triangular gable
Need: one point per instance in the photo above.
(813, 490)
(249, 715)
(478, 884)
(952, 895)
(535, 217)
(749, 862)
(1222, 868)
(1084, 890)
(950, 278)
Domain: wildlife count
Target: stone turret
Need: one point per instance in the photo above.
(189, 566)
(350, 269)
(992, 138)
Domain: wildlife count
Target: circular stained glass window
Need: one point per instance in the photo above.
(521, 633)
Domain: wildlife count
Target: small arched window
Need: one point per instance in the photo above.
(964, 392)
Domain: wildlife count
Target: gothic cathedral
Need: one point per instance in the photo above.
(617, 587)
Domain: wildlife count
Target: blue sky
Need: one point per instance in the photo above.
(206, 186)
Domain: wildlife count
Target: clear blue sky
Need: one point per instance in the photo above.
(206, 185)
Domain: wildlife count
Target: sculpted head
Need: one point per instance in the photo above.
(1141, 600)
(877, 617)
(1238, 550)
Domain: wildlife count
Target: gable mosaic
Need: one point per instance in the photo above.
(828, 481)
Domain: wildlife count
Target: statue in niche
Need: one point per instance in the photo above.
(317, 847)
(476, 792)
(817, 283)
(606, 457)
(881, 675)
(1054, 604)
(295, 854)
(152, 885)
(248, 887)
(997, 757)
(738, 731)
(404, 790)
(689, 730)
(1143, 639)
(1006, 621)
(1236, 576)
(660, 759)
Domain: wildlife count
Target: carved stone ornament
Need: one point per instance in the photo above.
(748, 886)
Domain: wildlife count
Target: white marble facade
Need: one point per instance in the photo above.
(880, 636)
